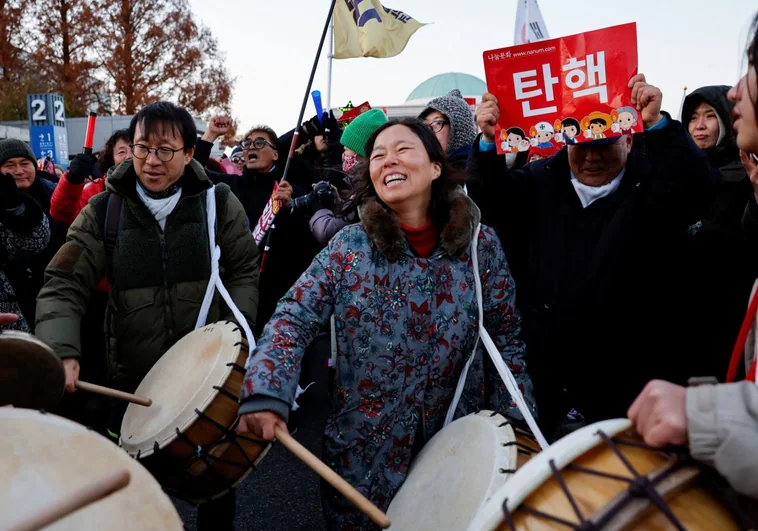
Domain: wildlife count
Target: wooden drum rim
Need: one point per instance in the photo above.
(537, 470)
(184, 418)
(464, 481)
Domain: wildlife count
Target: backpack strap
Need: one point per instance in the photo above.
(113, 213)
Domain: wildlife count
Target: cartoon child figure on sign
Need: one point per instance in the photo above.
(624, 118)
(542, 135)
(567, 130)
(596, 124)
(513, 140)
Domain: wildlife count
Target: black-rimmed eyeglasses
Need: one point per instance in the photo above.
(258, 143)
(437, 125)
(164, 154)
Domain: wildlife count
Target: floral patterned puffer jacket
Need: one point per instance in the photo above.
(405, 327)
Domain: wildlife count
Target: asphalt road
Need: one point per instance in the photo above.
(283, 493)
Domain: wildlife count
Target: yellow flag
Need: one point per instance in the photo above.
(365, 28)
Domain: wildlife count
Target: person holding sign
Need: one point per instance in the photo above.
(719, 423)
(588, 231)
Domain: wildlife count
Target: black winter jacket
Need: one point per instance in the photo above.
(717, 264)
(26, 273)
(594, 282)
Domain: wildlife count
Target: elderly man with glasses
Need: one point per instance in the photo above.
(148, 233)
(265, 196)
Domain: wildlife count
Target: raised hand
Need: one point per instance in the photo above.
(647, 99)
(218, 126)
(487, 116)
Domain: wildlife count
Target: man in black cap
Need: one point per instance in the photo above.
(591, 229)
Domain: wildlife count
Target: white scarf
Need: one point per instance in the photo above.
(160, 208)
(589, 194)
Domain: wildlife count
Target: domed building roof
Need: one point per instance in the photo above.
(441, 84)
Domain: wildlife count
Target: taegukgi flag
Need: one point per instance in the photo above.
(365, 28)
(530, 26)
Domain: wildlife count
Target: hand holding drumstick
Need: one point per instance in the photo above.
(267, 425)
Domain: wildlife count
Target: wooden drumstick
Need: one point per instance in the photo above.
(331, 477)
(113, 393)
(74, 501)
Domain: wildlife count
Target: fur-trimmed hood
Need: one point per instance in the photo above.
(384, 230)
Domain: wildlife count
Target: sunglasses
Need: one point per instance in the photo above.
(258, 143)
(238, 159)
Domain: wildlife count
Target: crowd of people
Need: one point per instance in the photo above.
(615, 274)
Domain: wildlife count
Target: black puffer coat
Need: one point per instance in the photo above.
(595, 282)
(717, 266)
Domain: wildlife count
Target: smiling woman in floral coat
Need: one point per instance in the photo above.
(401, 287)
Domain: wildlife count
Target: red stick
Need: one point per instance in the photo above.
(739, 346)
(90, 136)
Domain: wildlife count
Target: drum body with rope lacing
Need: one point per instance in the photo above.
(187, 438)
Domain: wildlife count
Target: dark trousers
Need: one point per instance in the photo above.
(217, 515)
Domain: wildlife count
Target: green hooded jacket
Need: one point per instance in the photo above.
(158, 277)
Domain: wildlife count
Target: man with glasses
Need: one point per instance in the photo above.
(148, 233)
(265, 197)
(238, 158)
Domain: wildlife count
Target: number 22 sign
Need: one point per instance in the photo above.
(46, 109)
(47, 120)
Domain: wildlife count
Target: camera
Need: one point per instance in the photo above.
(322, 196)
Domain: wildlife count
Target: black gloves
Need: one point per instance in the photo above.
(310, 129)
(331, 127)
(80, 168)
(324, 194)
(10, 198)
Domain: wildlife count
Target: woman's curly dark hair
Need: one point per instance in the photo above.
(447, 182)
(105, 158)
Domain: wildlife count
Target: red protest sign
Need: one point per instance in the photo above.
(564, 91)
(355, 112)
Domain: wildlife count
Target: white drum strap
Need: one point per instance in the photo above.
(333, 336)
(497, 359)
(215, 280)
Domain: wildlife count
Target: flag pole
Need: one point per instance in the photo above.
(681, 105)
(331, 60)
(293, 144)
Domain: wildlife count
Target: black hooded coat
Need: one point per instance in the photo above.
(717, 264)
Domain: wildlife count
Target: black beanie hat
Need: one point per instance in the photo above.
(11, 148)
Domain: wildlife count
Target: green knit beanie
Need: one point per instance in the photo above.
(10, 148)
(356, 134)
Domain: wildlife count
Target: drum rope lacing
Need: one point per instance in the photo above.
(639, 486)
(178, 465)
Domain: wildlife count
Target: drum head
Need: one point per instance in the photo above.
(179, 383)
(31, 375)
(45, 457)
(457, 471)
(537, 470)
